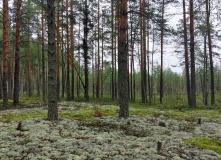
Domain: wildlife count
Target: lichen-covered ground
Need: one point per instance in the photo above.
(80, 135)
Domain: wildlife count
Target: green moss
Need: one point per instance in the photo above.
(205, 143)
(8, 117)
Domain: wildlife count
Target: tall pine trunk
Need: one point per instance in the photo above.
(98, 55)
(186, 55)
(192, 55)
(58, 55)
(43, 52)
(122, 62)
(17, 54)
(210, 53)
(68, 56)
(72, 52)
(52, 83)
(161, 69)
(6, 51)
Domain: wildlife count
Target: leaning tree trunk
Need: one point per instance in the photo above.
(192, 55)
(17, 54)
(186, 55)
(122, 62)
(52, 85)
(6, 51)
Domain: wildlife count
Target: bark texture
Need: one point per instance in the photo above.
(52, 85)
(122, 63)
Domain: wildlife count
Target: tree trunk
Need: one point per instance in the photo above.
(0, 80)
(29, 62)
(102, 73)
(43, 50)
(6, 51)
(161, 70)
(17, 54)
(68, 56)
(186, 55)
(79, 62)
(52, 86)
(85, 47)
(192, 55)
(62, 56)
(72, 53)
(98, 55)
(112, 50)
(210, 53)
(122, 63)
(58, 55)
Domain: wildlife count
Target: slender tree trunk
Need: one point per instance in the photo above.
(122, 63)
(85, 47)
(186, 55)
(98, 55)
(79, 58)
(52, 86)
(144, 55)
(118, 45)
(148, 54)
(152, 83)
(58, 49)
(62, 56)
(6, 51)
(102, 72)
(29, 62)
(210, 53)
(112, 49)
(141, 50)
(93, 69)
(43, 54)
(161, 70)
(68, 56)
(12, 68)
(192, 55)
(17, 54)
(72, 53)
(206, 76)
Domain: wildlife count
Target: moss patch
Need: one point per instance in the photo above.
(205, 143)
(8, 117)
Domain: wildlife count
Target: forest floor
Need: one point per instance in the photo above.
(89, 131)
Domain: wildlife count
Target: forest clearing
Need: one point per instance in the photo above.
(110, 79)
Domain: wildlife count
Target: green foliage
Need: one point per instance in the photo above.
(205, 143)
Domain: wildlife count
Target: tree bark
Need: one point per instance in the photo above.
(112, 50)
(98, 55)
(122, 62)
(29, 62)
(43, 50)
(210, 53)
(161, 70)
(72, 53)
(6, 51)
(52, 85)
(68, 56)
(192, 55)
(85, 47)
(58, 49)
(186, 55)
(17, 54)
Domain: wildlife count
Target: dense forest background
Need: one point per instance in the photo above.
(87, 50)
